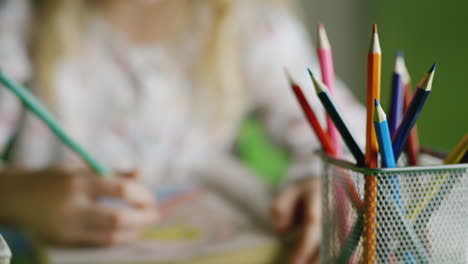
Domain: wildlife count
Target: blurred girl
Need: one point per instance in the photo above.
(158, 85)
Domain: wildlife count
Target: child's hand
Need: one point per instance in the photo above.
(300, 203)
(61, 206)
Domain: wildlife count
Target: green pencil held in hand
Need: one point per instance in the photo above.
(42, 113)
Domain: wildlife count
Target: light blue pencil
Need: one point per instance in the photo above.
(386, 150)
(382, 132)
(383, 136)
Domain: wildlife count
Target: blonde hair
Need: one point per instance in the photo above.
(61, 24)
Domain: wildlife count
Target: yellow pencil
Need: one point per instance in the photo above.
(454, 157)
(457, 154)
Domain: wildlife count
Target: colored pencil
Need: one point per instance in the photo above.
(459, 152)
(385, 147)
(398, 95)
(412, 114)
(312, 119)
(36, 107)
(383, 137)
(332, 111)
(464, 159)
(442, 186)
(386, 152)
(413, 146)
(434, 153)
(325, 55)
(374, 61)
(323, 137)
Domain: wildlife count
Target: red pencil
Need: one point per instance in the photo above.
(413, 146)
(311, 117)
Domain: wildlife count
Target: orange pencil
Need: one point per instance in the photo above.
(374, 60)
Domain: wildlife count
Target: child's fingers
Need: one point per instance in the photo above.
(310, 240)
(284, 208)
(129, 191)
(106, 238)
(134, 174)
(100, 218)
(308, 245)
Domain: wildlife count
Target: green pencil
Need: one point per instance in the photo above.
(42, 113)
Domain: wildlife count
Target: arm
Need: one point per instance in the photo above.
(283, 42)
(57, 204)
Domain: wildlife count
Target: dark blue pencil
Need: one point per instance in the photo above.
(412, 113)
(464, 159)
(398, 95)
(322, 93)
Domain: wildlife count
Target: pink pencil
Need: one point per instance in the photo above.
(324, 52)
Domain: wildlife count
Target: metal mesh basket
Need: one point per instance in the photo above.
(421, 214)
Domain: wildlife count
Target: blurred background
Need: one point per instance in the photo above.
(427, 32)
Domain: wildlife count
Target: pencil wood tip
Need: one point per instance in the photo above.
(323, 41)
(319, 86)
(375, 42)
(379, 113)
(288, 76)
(310, 73)
(376, 102)
(426, 82)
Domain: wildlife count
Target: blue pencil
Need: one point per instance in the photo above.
(412, 113)
(335, 116)
(398, 95)
(464, 159)
(383, 137)
(386, 150)
(388, 161)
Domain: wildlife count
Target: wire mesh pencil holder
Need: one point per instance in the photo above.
(421, 214)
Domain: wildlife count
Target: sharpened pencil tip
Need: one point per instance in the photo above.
(426, 82)
(322, 38)
(319, 86)
(288, 76)
(375, 42)
(400, 54)
(310, 73)
(400, 65)
(379, 113)
(430, 78)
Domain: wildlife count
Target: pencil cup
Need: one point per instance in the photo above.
(421, 214)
